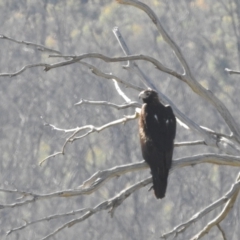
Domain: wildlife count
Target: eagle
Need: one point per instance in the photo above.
(157, 130)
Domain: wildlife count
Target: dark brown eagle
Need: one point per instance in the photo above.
(157, 130)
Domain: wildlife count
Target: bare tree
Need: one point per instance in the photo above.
(222, 148)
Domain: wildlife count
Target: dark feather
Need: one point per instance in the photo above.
(157, 129)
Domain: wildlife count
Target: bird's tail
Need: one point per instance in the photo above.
(159, 182)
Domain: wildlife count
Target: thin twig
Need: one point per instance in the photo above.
(232, 198)
(89, 128)
(222, 231)
(232, 71)
(120, 92)
(23, 69)
(182, 227)
(39, 47)
(51, 217)
(110, 204)
(109, 76)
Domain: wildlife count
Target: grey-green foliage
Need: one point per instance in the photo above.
(207, 33)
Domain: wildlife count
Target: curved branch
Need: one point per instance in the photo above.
(39, 47)
(75, 59)
(51, 217)
(189, 78)
(23, 69)
(110, 204)
(164, 34)
(229, 197)
(89, 128)
(101, 177)
(109, 76)
(232, 196)
(132, 65)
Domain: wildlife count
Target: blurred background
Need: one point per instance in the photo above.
(207, 33)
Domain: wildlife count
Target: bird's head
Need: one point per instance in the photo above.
(149, 96)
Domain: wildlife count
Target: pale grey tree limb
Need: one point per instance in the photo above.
(39, 47)
(13, 74)
(101, 177)
(232, 196)
(160, 28)
(110, 204)
(229, 197)
(106, 103)
(188, 77)
(109, 76)
(89, 128)
(230, 71)
(222, 231)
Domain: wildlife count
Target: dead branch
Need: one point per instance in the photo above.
(105, 103)
(229, 197)
(90, 129)
(188, 77)
(232, 196)
(23, 69)
(110, 204)
(164, 34)
(101, 177)
(109, 76)
(39, 47)
(51, 217)
(231, 71)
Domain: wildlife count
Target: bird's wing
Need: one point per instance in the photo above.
(162, 126)
(171, 126)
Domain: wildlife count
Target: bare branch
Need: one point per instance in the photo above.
(109, 76)
(39, 47)
(208, 138)
(101, 177)
(120, 92)
(232, 71)
(219, 159)
(23, 69)
(51, 217)
(192, 143)
(164, 34)
(222, 232)
(218, 134)
(110, 204)
(221, 143)
(89, 186)
(132, 65)
(90, 129)
(75, 59)
(105, 103)
(231, 194)
(232, 198)
(188, 78)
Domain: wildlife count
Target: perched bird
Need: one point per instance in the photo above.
(157, 130)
